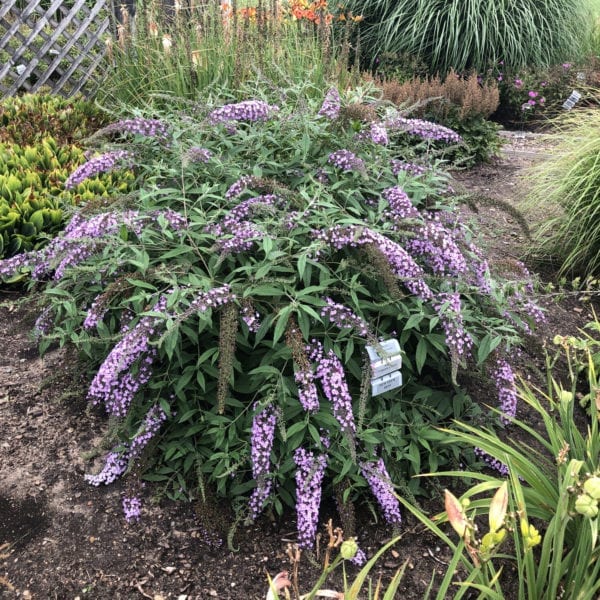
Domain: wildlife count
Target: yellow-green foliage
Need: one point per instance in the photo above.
(32, 194)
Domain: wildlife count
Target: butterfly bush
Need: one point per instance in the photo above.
(261, 440)
(332, 104)
(310, 469)
(381, 485)
(225, 316)
(151, 128)
(248, 110)
(426, 130)
(109, 161)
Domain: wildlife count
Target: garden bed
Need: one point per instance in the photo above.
(61, 538)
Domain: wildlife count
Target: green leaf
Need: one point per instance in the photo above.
(282, 320)
(421, 354)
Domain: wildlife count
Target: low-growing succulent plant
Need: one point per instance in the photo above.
(33, 194)
(29, 118)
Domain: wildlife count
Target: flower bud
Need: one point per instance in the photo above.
(586, 505)
(531, 536)
(565, 396)
(348, 549)
(592, 487)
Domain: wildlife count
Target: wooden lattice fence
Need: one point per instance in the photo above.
(59, 44)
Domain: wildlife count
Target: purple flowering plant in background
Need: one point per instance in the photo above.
(225, 315)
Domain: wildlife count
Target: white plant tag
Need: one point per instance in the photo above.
(385, 358)
(388, 382)
(572, 100)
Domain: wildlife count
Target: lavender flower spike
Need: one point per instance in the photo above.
(423, 129)
(248, 110)
(100, 164)
(346, 160)
(263, 434)
(154, 128)
(504, 380)
(381, 485)
(309, 477)
(331, 104)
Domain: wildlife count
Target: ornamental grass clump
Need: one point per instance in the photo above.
(473, 34)
(566, 190)
(226, 318)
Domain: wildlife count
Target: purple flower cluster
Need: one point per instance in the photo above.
(381, 485)
(154, 128)
(378, 134)
(204, 300)
(423, 129)
(332, 104)
(437, 244)
(117, 159)
(346, 160)
(198, 155)
(262, 436)
(330, 372)
(399, 166)
(248, 110)
(492, 462)
(504, 380)
(115, 384)
(152, 422)
(251, 317)
(457, 339)
(309, 478)
(400, 206)
(344, 318)
(115, 464)
(132, 509)
(44, 323)
(95, 313)
(82, 238)
(236, 188)
(401, 263)
(307, 390)
(235, 233)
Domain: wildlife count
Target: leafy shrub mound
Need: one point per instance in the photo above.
(32, 193)
(226, 316)
(462, 103)
(27, 119)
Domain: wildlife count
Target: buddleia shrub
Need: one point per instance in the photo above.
(226, 313)
(33, 198)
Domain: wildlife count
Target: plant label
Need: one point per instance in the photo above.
(572, 100)
(388, 382)
(385, 358)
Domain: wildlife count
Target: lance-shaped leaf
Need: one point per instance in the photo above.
(498, 507)
(456, 514)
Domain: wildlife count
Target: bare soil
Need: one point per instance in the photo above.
(63, 539)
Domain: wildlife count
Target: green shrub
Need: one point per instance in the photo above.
(28, 118)
(566, 191)
(473, 34)
(32, 194)
(535, 96)
(267, 248)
